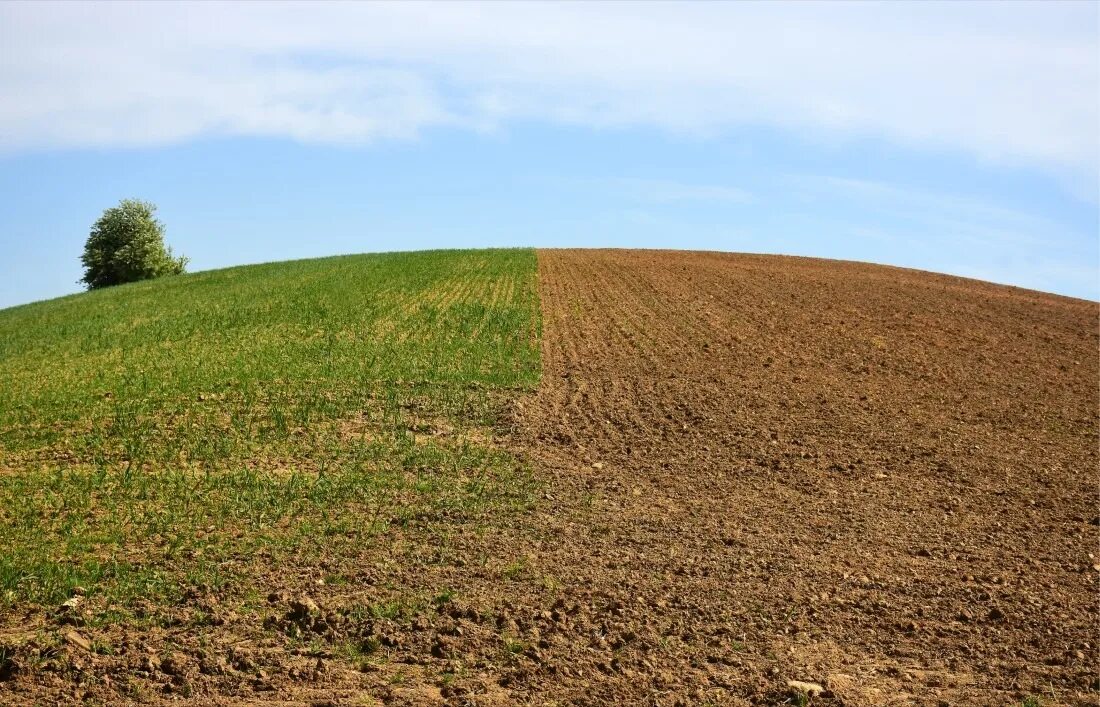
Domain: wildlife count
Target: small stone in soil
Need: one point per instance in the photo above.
(806, 688)
(76, 639)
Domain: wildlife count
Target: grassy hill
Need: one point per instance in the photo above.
(739, 480)
(155, 436)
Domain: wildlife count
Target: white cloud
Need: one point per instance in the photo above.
(1007, 82)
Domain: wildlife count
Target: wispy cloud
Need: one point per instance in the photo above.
(1011, 82)
(1043, 275)
(939, 214)
(668, 191)
(960, 234)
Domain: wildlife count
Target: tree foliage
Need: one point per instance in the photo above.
(126, 244)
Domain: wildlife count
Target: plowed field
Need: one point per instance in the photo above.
(772, 469)
(740, 480)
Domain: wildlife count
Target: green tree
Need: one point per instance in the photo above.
(126, 245)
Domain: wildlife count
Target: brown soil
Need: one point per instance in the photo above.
(880, 480)
(755, 470)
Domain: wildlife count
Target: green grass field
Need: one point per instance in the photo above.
(165, 434)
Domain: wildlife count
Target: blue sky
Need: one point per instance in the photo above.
(959, 138)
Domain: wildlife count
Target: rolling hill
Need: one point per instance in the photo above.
(571, 477)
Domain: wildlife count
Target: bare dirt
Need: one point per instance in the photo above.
(879, 483)
(878, 480)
